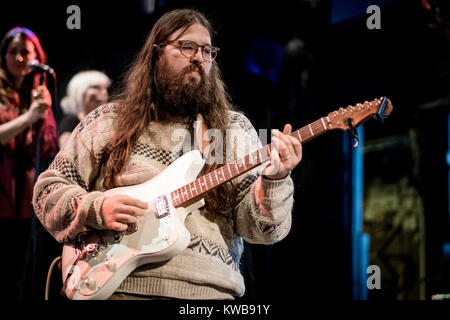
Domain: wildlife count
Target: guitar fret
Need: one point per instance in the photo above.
(229, 170)
(312, 133)
(318, 124)
(193, 189)
(199, 184)
(240, 167)
(268, 151)
(189, 190)
(255, 158)
(185, 192)
(178, 195)
(202, 183)
(180, 192)
(299, 135)
(246, 161)
(214, 176)
(305, 133)
(173, 197)
(210, 179)
(218, 178)
(222, 173)
(323, 123)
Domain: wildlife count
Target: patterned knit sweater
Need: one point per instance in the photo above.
(68, 198)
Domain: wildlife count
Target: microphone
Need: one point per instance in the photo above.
(35, 64)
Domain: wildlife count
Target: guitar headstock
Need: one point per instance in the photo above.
(359, 113)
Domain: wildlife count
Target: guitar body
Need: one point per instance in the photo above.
(158, 236)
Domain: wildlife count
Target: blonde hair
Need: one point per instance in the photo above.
(72, 103)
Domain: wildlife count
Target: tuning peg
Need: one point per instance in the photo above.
(382, 109)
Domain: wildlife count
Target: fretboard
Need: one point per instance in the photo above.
(213, 179)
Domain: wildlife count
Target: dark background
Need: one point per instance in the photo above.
(335, 61)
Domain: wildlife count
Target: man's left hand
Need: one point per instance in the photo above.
(286, 153)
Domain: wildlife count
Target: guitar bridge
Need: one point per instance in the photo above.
(162, 207)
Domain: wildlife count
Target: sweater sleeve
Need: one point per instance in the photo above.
(62, 197)
(263, 212)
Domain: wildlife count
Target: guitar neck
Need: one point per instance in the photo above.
(199, 187)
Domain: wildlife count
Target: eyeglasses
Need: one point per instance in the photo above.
(189, 49)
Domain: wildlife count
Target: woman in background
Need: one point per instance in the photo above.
(24, 100)
(85, 92)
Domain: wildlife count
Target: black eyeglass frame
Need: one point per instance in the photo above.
(214, 50)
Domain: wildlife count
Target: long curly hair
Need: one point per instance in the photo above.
(136, 105)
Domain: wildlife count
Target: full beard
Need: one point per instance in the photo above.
(183, 94)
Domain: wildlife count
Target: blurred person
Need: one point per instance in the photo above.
(24, 101)
(85, 92)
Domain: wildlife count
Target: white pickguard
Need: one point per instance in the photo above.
(156, 239)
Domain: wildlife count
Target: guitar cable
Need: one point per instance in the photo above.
(50, 270)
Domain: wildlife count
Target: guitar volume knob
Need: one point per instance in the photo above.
(111, 266)
(90, 283)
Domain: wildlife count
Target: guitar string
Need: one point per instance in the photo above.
(197, 184)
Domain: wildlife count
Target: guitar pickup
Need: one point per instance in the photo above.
(162, 207)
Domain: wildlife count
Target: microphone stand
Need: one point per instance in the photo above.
(36, 229)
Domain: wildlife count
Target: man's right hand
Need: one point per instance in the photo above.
(119, 210)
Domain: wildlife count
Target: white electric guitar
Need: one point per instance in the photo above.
(96, 263)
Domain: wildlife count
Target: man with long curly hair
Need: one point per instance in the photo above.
(173, 83)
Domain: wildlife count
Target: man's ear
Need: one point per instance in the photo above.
(158, 51)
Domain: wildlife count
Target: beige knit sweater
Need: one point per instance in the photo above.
(68, 198)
